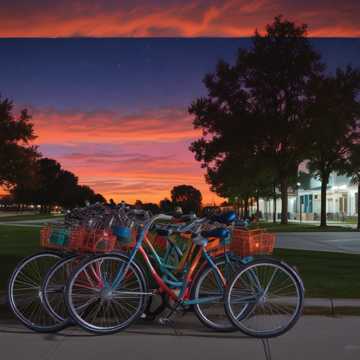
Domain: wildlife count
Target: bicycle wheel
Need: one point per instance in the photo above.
(275, 294)
(97, 302)
(25, 294)
(54, 288)
(209, 292)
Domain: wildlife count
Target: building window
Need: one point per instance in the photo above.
(307, 202)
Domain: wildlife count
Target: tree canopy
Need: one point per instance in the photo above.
(334, 118)
(17, 156)
(260, 112)
(187, 197)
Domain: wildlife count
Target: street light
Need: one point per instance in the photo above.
(299, 199)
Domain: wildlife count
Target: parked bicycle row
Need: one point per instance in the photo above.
(104, 266)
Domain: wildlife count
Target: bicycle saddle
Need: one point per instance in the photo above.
(225, 218)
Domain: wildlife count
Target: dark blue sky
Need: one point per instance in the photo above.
(130, 74)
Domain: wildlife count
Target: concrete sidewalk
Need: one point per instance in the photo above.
(313, 338)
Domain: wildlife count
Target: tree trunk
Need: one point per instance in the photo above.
(284, 201)
(274, 205)
(257, 206)
(358, 212)
(324, 184)
(246, 207)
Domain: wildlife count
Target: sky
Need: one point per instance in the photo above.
(114, 110)
(184, 18)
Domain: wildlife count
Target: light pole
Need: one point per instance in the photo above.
(298, 200)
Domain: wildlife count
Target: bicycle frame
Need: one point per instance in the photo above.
(168, 285)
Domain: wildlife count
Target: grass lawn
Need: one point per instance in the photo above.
(324, 274)
(29, 217)
(15, 243)
(299, 227)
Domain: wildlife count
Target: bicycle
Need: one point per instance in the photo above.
(25, 294)
(108, 292)
(265, 298)
(56, 278)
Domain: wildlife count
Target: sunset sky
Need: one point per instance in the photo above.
(114, 111)
(38, 18)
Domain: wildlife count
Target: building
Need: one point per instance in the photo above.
(305, 202)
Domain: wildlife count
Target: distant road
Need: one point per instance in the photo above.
(345, 242)
(32, 223)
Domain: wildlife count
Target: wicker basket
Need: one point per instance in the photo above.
(252, 242)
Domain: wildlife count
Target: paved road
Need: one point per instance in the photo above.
(313, 338)
(347, 242)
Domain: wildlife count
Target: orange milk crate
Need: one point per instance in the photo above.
(62, 238)
(97, 240)
(79, 239)
(252, 242)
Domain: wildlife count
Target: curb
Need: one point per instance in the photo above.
(312, 306)
(309, 302)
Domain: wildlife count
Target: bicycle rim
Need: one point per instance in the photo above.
(98, 304)
(272, 293)
(25, 292)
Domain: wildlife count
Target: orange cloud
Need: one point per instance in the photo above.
(161, 125)
(124, 156)
(173, 18)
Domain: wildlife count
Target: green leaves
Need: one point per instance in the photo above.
(187, 197)
(253, 117)
(16, 156)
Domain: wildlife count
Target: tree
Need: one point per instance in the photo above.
(334, 114)
(304, 179)
(153, 208)
(187, 197)
(166, 206)
(67, 188)
(16, 155)
(256, 107)
(51, 185)
(46, 195)
(84, 195)
(98, 198)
